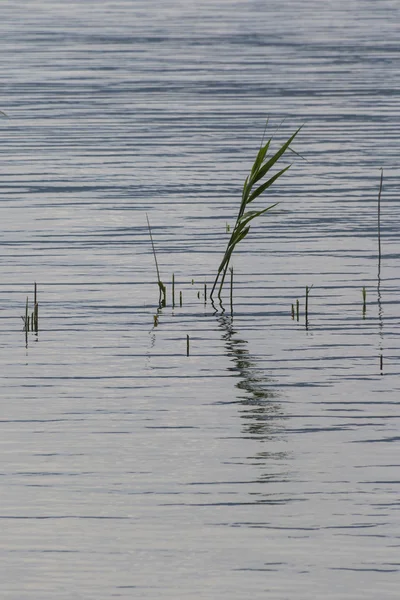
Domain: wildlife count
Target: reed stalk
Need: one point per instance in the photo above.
(163, 291)
(306, 305)
(364, 297)
(231, 295)
(380, 306)
(379, 222)
(35, 310)
(27, 314)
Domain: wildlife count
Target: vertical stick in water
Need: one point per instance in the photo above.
(187, 345)
(205, 293)
(297, 310)
(173, 290)
(293, 312)
(380, 309)
(180, 298)
(231, 270)
(35, 310)
(27, 314)
(364, 295)
(379, 222)
(306, 307)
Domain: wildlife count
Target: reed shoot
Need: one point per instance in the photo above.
(261, 167)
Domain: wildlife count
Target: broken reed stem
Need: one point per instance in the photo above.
(297, 310)
(293, 312)
(173, 290)
(187, 346)
(180, 298)
(205, 293)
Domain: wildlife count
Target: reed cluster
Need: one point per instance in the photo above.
(31, 319)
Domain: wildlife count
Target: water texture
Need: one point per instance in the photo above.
(265, 463)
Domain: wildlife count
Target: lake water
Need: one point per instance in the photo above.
(266, 463)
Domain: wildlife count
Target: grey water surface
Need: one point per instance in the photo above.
(266, 463)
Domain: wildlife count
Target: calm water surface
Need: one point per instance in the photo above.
(265, 464)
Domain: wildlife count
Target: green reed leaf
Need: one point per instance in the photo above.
(270, 163)
(260, 157)
(252, 214)
(266, 185)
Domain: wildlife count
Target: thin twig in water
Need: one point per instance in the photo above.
(379, 222)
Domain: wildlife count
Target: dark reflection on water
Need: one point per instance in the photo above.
(261, 414)
(260, 410)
